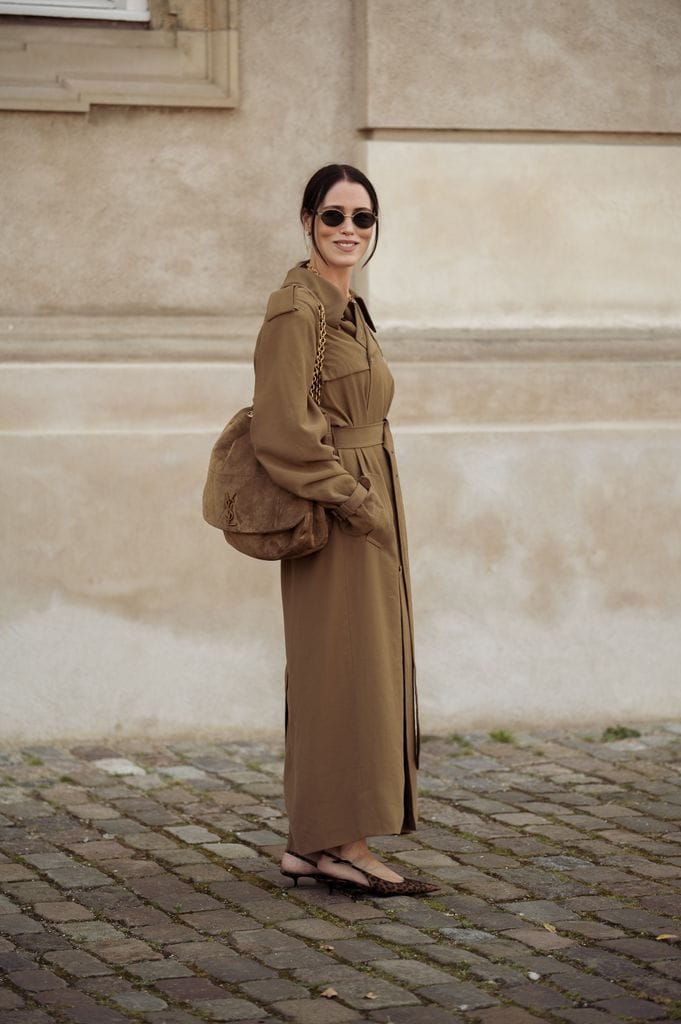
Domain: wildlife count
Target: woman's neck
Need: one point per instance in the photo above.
(339, 277)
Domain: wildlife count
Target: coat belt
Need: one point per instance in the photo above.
(359, 437)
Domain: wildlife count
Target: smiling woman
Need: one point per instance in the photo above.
(351, 718)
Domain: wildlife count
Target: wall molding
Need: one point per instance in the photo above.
(188, 57)
(180, 338)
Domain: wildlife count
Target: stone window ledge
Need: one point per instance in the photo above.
(186, 58)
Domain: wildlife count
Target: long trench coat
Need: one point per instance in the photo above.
(351, 717)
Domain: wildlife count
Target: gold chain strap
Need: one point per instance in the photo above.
(316, 386)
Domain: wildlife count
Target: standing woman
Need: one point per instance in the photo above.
(351, 716)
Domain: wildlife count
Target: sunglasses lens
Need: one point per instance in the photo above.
(332, 218)
(364, 219)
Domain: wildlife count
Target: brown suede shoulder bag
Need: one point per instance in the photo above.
(258, 517)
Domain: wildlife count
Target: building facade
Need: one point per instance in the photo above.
(527, 293)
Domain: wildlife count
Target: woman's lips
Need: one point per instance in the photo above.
(346, 246)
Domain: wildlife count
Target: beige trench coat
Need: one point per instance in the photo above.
(351, 716)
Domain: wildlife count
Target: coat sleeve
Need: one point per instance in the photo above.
(288, 427)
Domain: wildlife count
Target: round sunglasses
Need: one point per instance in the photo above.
(362, 219)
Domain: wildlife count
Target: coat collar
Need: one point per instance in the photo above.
(333, 302)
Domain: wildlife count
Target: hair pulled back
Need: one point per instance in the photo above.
(320, 183)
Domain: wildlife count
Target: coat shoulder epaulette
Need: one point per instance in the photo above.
(288, 300)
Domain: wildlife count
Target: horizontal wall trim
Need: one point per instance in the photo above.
(612, 426)
(225, 339)
(521, 136)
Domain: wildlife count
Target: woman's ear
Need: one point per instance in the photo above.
(307, 222)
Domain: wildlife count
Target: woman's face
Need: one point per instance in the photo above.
(346, 244)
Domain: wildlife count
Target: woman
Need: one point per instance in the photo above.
(351, 719)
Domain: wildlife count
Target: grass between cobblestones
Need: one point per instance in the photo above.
(141, 883)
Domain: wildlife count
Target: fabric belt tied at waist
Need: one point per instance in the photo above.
(359, 437)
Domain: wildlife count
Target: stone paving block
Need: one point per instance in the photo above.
(139, 1002)
(341, 906)
(315, 1011)
(68, 873)
(234, 969)
(13, 960)
(400, 934)
(100, 850)
(508, 1015)
(185, 772)
(416, 1015)
(360, 950)
(271, 990)
(413, 973)
(190, 989)
(118, 766)
(277, 949)
(36, 980)
(269, 910)
(18, 924)
(150, 970)
(192, 833)
(32, 892)
(38, 943)
(10, 872)
(384, 993)
(127, 869)
(181, 856)
(539, 938)
(92, 811)
(630, 1006)
(457, 995)
(7, 906)
(166, 933)
(230, 1009)
(91, 931)
(589, 929)
(315, 928)
(78, 963)
(644, 949)
(202, 872)
(539, 997)
(177, 1016)
(231, 851)
(26, 1016)
(126, 952)
(260, 837)
(152, 842)
(63, 910)
(585, 1015)
(217, 922)
(540, 910)
(581, 986)
(78, 1007)
(193, 952)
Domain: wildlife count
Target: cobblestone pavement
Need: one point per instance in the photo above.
(141, 883)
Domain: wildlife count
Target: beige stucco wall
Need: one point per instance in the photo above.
(539, 234)
(526, 287)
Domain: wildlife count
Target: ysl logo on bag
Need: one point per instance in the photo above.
(229, 514)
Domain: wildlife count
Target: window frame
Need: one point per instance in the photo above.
(185, 56)
(105, 10)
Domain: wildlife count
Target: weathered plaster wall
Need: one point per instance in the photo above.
(130, 210)
(541, 233)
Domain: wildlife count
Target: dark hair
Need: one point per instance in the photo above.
(320, 183)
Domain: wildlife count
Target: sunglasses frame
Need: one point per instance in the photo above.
(358, 213)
